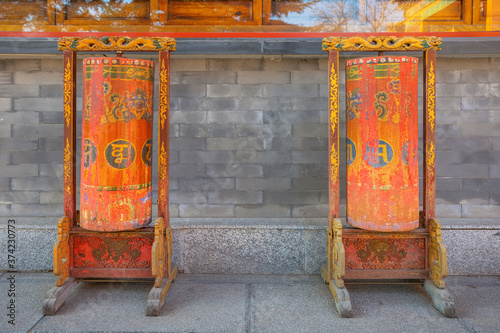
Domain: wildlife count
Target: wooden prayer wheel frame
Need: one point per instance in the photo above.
(428, 262)
(157, 241)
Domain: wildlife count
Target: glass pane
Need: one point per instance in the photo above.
(107, 9)
(324, 16)
(367, 15)
(22, 11)
(210, 11)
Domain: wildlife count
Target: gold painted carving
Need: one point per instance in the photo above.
(334, 118)
(382, 43)
(381, 250)
(68, 152)
(61, 251)
(336, 253)
(116, 43)
(431, 155)
(334, 163)
(68, 87)
(158, 252)
(431, 96)
(117, 188)
(164, 98)
(431, 162)
(162, 175)
(437, 254)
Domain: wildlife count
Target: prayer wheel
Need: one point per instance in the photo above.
(382, 143)
(117, 117)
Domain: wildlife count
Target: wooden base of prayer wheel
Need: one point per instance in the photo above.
(116, 173)
(403, 245)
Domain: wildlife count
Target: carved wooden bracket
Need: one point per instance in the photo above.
(437, 254)
(116, 43)
(61, 251)
(381, 43)
(338, 253)
(158, 252)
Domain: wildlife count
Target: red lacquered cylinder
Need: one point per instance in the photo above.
(117, 117)
(382, 143)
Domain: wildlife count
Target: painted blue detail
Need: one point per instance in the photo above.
(351, 151)
(405, 154)
(378, 153)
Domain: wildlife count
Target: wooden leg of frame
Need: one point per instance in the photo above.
(435, 286)
(342, 300)
(341, 295)
(161, 264)
(442, 299)
(64, 283)
(333, 275)
(56, 296)
(156, 296)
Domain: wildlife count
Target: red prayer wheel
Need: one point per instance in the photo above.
(116, 193)
(382, 143)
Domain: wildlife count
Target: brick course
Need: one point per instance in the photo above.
(249, 137)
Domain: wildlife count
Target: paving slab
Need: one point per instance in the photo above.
(477, 301)
(26, 290)
(310, 307)
(250, 303)
(120, 307)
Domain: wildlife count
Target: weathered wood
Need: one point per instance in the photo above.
(131, 233)
(333, 136)
(61, 251)
(116, 43)
(438, 266)
(158, 252)
(429, 134)
(87, 254)
(340, 294)
(442, 299)
(342, 300)
(69, 162)
(382, 143)
(381, 43)
(385, 274)
(56, 296)
(164, 136)
(356, 232)
(112, 273)
(371, 255)
(156, 296)
(117, 147)
(325, 274)
(389, 253)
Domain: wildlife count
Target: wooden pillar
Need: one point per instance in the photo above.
(429, 131)
(69, 163)
(164, 134)
(333, 137)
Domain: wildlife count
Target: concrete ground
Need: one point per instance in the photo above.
(248, 303)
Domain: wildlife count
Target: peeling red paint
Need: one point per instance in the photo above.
(117, 118)
(382, 143)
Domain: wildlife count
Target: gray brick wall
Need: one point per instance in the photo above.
(249, 137)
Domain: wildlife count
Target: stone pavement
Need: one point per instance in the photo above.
(249, 303)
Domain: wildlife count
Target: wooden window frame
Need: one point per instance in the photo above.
(155, 17)
(255, 17)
